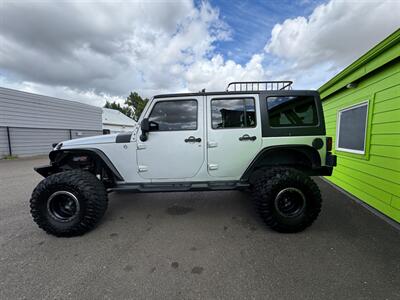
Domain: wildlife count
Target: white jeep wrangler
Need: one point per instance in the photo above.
(261, 136)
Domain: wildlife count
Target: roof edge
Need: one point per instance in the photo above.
(223, 93)
(381, 47)
(52, 98)
(119, 124)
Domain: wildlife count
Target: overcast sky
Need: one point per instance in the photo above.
(95, 51)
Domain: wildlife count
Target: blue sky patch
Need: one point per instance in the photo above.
(252, 22)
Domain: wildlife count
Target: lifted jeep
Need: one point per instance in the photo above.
(261, 136)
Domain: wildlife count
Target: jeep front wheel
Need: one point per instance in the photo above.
(286, 199)
(68, 204)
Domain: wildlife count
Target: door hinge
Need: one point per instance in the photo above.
(213, 166)
(141, 146)
(142, 168)
(212, 144)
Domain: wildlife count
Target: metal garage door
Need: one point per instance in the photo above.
(26, 142)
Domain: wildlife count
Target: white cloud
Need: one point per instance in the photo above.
(90, 51)
(215, 74)
(84, 96)
(333, 36)
(106, 49)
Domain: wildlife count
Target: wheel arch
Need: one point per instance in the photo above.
(302, 157)
(60, 157)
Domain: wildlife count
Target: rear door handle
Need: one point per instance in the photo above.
(192, 139)
(247, 137)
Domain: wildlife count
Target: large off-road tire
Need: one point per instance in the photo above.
(286, 199)
(68, 204)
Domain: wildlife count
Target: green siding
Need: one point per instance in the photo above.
(373, 177)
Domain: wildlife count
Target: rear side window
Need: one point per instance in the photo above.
(291, 111)
(233, 113)
(174, 115)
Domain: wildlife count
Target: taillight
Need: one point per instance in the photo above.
(328, 143)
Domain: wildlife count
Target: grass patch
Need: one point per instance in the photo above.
(10, 157)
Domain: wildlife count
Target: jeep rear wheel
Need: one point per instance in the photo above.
(286, 199)
(70, 203)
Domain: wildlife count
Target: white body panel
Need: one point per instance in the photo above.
(165, 157)
(227, 155)
(92, 140)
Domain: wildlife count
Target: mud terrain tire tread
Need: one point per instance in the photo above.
(265, 189)
(91, 195)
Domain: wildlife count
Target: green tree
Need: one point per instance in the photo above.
(137, 104)
(134, 105)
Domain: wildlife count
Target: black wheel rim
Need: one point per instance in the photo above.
(63, 206)
(290, 202)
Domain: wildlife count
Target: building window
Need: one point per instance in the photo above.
(233, 113)
(292, 111)
(174, 115)
(351, 128)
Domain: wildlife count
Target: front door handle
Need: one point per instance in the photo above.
(246, 137)
(192, 139)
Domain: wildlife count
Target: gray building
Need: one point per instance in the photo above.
(30, 123)
(115, 121)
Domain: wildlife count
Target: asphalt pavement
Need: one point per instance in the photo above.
(203, 245)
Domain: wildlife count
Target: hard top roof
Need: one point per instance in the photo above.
(282, 92)
(283, 87)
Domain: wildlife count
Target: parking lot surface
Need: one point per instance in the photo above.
(204, 245)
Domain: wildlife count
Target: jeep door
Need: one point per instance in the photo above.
(174, 149)
(234, 134)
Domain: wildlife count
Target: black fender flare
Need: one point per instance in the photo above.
(310, 153)
(57, 157)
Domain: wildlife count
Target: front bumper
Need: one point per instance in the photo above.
(46, 170)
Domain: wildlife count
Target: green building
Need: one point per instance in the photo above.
(362, 114)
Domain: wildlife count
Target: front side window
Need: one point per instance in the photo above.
(233, 113)
(174, 115)
(351, 128)
(290, 111)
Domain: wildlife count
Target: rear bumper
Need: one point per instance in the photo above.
(330, 163)
(331, 160)
(321, 171)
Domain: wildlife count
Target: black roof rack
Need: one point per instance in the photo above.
(255, 86)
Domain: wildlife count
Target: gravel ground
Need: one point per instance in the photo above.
(205, 245)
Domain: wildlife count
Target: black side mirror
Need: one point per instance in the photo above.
(145, 127)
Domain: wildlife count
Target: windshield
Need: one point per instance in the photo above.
(145, 110)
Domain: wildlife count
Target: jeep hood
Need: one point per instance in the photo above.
(99, 139)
